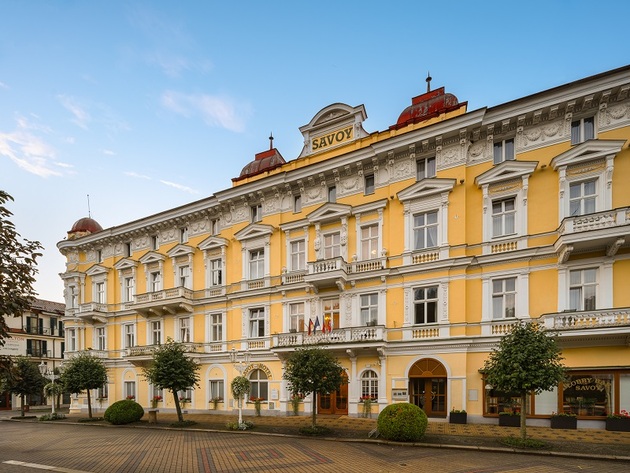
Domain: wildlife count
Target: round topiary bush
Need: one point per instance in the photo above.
(124, 412)
(402, 422)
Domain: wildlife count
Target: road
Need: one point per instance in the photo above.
(27, 447)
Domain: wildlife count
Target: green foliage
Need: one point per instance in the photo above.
(23, 378)
(528, 443)
(240, 386)
(246, 425)
(313, 370)
(172, 369)
(402, 422)
(84, 372)
(18, 267)
(315, 431)
(527, 360)
(55, 416)
(124, 412)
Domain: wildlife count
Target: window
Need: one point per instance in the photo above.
(425, 305)
(503, 217)
(297, 203)
(129, 335)
(73, 297)
(369, 242)
(128, 289)
(38, 348)
(127, 249)
(369, 309)
(503, 151)
(185, 396)
(425, 230)
(582, 197)
(214, 226)
(184, 277)
(298, 255)
(332, 194)
(503, 298)
(72, 339)
(216, 327)
(589, 394)
(129, 388)
(156, 393)
(156, 332)
(583, 289)
(369, 184)
(155, 242)
(256, 211)
(156, 281)
(256, 263)
(100, 292)
(256, 323)
(102, 392)
(369, 384)
(296, 317)
(331, 314)
(183, 234)
(259, 385)
(101, 343)
(425, 168)
(215, 272)
(184, 330)
(216, 389)
(332, 245)
(582, 130)
(99, 256)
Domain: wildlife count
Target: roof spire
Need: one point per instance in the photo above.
(428, 79)
(271, 140)
(88, 202)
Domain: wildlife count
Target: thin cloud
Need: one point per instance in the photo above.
(29, 152)
(4, 86)
(215, 111)
(136, 175)
(81, 116)
(179, 187)
(108, 152)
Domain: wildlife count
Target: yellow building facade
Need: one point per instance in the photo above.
(406, 252)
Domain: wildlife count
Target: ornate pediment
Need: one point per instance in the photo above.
(425, 188)
(329, 212)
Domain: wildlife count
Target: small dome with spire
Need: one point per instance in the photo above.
(265, 161)
(84, 226)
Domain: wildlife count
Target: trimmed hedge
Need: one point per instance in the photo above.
(403, 422)
(124, 412)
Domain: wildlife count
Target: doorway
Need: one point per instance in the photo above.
(427, 387)
(334, 403)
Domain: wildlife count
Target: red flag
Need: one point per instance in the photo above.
(327, 325)
(310, 326)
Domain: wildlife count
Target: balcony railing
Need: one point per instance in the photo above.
(587, 319)
(595, 221)
(172, 300)
(49, 331)
(341, 335)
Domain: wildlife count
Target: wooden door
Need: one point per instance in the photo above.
(334, 403)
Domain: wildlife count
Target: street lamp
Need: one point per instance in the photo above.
(43, 369)
(240, 360)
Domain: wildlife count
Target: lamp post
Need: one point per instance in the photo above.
(43, 369)
(240, 360)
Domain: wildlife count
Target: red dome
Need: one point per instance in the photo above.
(86, 224)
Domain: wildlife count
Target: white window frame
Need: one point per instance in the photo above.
(215, 272)
(100, 292)
(216, 327)
(583, 280)
(426, 228)
(331, 244)
(332, 194)
(583, 199)
(216, 389)
(257, 320)
(578, 130)
(155, 327)
(155, 281)
(129, 335)
(71, 339)
(184, 276)
(100, 338)
(425, 168)
(368, 308)
(503, 298)
(604, 293)
(296, 317)
(426, 300)
(259, 379)
(369, 181)
(521, 297)
(500, 151)
(184, 329)
(256, 259)
(129, 286)
(155, 242)
(504, 217)
(73, 296)
(369, 383)
(129, 389)
(256, 213)
(183, 235)
(297, 256)
(297, 203)
(370, 244)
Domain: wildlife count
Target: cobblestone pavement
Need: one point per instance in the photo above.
(75, 448)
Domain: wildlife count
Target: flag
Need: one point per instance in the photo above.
(310, 326)
(316, 325)
(327, 326)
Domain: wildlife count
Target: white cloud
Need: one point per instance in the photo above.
(215, 111)
(81, 116)
(108, 152)
(179, 187)
(29, 152)
(4, 86)
(136, 175)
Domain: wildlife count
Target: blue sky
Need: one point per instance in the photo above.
(145, 106)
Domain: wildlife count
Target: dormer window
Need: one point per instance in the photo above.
(425, 168)
(256, 211)
(503, 151)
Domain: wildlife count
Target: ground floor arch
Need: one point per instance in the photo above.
(428, 387)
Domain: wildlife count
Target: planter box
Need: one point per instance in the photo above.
(510, 421)
(564, 422)
(619, 425)
(458, 417)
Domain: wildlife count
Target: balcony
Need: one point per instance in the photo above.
(367, 336)
(143, 354)
(606, 231)
(167, 301)
(44, 331)
(328, 273)
(585, 320)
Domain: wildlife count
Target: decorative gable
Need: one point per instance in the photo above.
(180, 250)
(426, 188)
(588, 151)
(152, 257)
(254, 230)
(125, 263)
(212, 243)
(96, 270)
(329, 212)
(506, 171)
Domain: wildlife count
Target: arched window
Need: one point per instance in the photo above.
(258, 380)
(369, 384)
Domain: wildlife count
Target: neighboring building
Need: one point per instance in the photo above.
(37, 333)
(406, 252)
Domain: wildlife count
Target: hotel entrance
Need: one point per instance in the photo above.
(427, 387)
(335, 403)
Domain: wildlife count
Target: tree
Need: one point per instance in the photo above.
(240, 387)
(82, 373)
(23, 379)
(527, 360)
(18, 260)
(171, 369)
(313, 370)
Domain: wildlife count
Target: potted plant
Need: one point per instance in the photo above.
(295, 403)
(257, 404)
(458, 416)
(618, 421)
(563, 420)
(154, 401)
(510, 419)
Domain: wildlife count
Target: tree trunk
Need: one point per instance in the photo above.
(180, 416)
(89, 404)
(314, 413)
(22, 405)
(523, 416)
